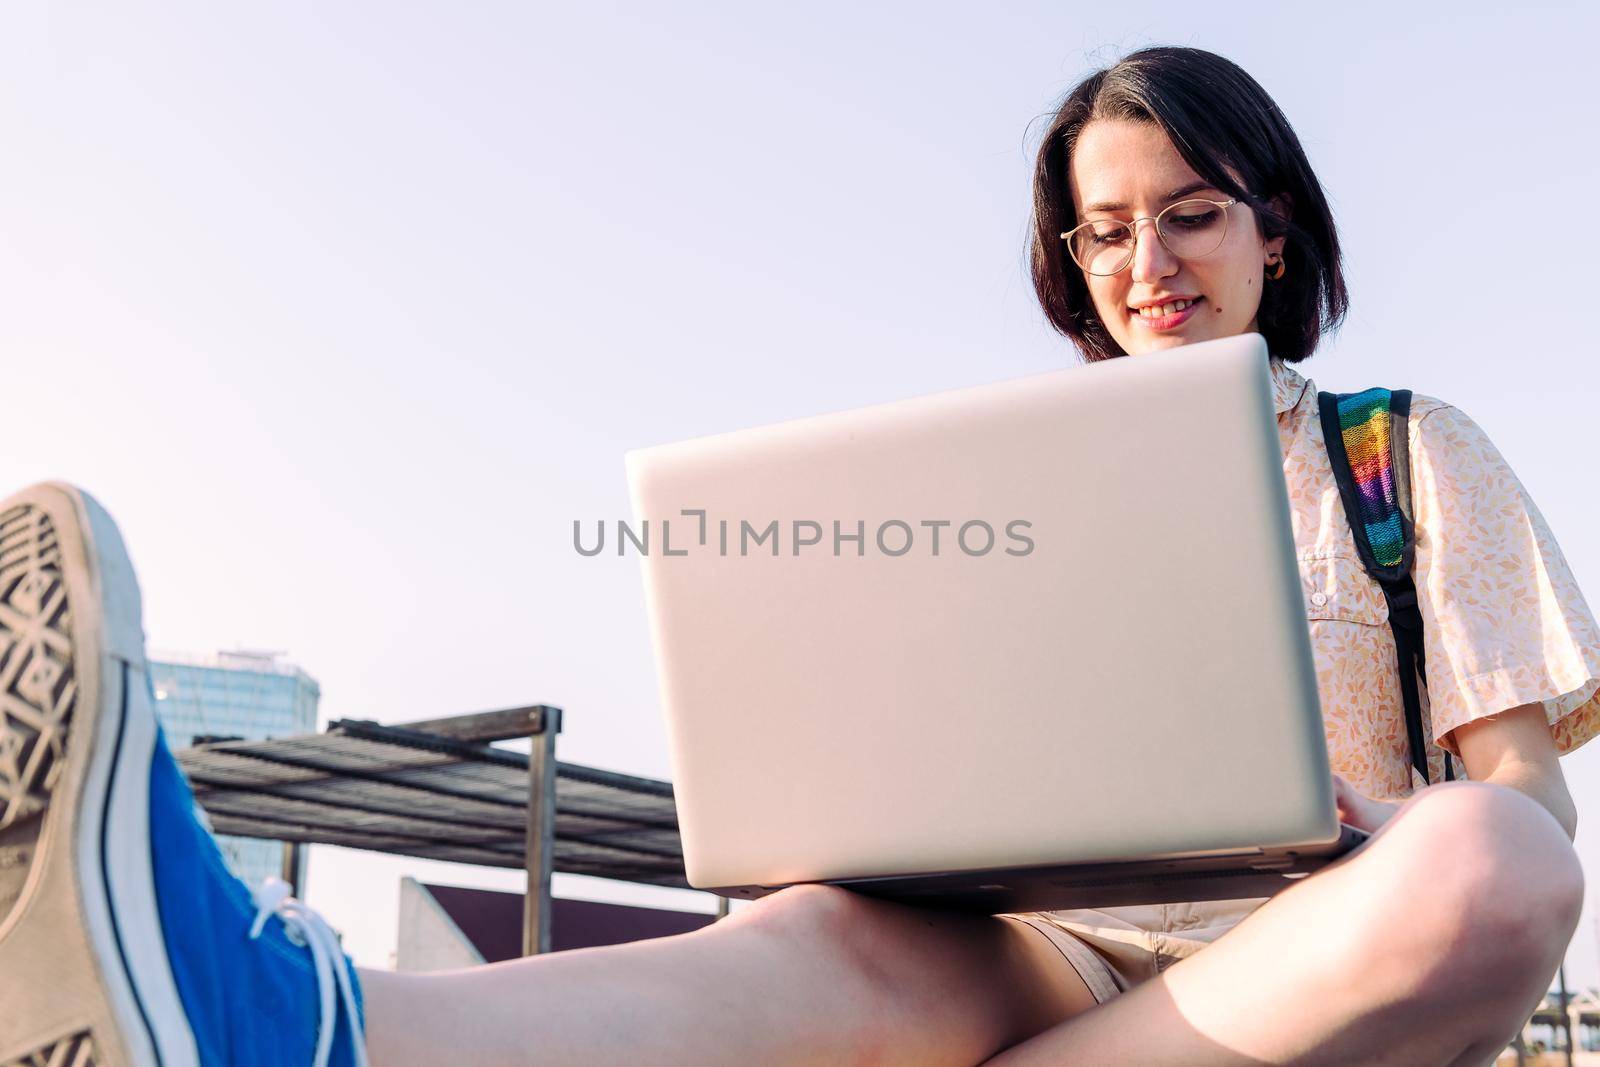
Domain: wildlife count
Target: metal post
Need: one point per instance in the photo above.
(722, 907)
(291, 869)
(1566, 1020)
(546, 723)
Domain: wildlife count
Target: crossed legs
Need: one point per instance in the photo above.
(1428, 946)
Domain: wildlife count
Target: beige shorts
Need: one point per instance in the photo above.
(1114, 949)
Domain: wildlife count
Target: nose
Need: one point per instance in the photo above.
(1152, 259)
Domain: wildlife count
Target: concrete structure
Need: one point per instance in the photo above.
(444, 927)
(239, 694)
(429, 938)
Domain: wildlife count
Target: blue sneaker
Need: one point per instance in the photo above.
(124, 940)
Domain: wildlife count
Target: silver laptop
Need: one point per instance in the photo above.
(1030, 645)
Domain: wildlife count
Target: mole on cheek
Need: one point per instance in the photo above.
(1219, 311)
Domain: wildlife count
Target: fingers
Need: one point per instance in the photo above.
(1344, 796)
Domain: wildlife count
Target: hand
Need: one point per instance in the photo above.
(1362, 812)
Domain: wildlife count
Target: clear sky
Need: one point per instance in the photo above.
(347, 310)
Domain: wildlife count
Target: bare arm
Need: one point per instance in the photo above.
(1514, 748)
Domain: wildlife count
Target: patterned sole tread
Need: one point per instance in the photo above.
(74, 1051)
(38, 687)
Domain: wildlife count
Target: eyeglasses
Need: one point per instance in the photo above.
(1190, 229)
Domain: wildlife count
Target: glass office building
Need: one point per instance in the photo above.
(243, 695)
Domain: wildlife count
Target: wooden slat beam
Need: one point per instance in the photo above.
(502, 725)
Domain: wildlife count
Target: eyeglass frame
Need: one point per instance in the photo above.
(1133, 227)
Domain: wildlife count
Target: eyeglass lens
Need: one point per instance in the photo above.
(1190, 229)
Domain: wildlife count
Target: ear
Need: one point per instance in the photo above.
(1282, 204)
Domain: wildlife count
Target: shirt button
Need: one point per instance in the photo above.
(1319, 599)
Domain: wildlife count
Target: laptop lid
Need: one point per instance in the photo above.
(1049, 620)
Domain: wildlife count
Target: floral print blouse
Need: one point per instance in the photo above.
(1504, 623)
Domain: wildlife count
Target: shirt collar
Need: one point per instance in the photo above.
(1288, 385)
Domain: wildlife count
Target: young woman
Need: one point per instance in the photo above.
(1189, 212)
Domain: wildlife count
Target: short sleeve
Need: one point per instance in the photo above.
(1504, 623)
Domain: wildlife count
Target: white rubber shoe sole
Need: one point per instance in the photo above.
(84, 977)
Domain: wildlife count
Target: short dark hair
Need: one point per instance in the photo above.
(1217, 116)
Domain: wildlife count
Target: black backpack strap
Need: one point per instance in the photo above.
(1372, 425)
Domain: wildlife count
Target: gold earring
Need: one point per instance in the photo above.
(1278, 259)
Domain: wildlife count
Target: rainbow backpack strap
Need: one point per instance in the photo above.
(1367, 442)
(1368, 447)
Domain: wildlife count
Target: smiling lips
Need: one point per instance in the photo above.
(1166, 316)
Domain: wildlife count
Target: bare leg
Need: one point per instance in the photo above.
(811, 975)
(1427, 948)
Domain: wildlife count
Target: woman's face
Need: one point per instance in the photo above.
(1124, 170)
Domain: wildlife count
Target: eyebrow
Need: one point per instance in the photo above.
(1192, 187)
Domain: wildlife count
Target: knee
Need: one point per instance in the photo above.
(1497, 856)
(835, 937)
(820, 916)
(1492, 888)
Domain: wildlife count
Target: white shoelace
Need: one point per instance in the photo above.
(305, 927)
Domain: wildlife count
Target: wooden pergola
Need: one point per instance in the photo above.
(440, 789)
